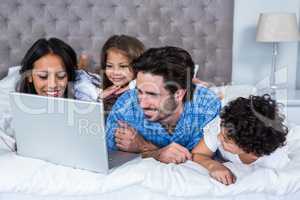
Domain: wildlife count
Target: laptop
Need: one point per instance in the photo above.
(63, 131)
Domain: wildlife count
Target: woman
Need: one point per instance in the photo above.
(47, 68)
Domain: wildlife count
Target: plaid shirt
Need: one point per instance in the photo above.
(204, 107)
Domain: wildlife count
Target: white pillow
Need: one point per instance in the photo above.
(231, 92)
(7, 84)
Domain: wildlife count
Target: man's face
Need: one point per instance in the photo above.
(157, 102)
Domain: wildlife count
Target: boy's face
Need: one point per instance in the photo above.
(229, 144)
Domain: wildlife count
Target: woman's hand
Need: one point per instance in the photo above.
(222, 174)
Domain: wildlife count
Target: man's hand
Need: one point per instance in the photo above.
(127, 139)
(173, 153)
(222, 174)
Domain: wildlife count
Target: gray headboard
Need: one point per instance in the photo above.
(203, 27)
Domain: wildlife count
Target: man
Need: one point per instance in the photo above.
(164, 116)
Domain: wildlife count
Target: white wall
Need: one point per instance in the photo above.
(298, 63)
(251, 59)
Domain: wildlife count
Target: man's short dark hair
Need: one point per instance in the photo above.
(174, 64)
(255, 124)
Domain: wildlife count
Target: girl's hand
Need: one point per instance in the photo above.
(113, 90)
(122, 90)
(109, 92)
(222, 174)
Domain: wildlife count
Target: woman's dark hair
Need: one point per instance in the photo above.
(174, 64)
(255, 124)
(131, 47)
(43, 47)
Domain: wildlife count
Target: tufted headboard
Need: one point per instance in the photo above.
(203, 27)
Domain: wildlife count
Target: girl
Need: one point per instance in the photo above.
(116, 56)
(251, 132)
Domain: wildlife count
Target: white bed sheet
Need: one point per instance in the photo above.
(136, 192)
(188, 180)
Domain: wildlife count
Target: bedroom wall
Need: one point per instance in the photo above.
(298, 63)
(251, 59)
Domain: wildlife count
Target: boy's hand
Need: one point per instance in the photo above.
(222, 174)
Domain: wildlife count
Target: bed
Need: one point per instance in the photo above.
(26, 178)
(85, 25)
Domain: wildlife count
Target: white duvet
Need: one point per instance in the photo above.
(31, 176)
(25, 175)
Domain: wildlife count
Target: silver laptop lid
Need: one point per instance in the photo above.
(59, 130)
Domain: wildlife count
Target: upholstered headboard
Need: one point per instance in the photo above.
(203, 27)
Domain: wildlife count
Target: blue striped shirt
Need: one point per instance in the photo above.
(204, 107)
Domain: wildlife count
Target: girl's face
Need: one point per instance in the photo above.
(118, 69)
(49, 76)
(228, 144)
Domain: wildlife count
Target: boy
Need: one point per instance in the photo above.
(251, 132)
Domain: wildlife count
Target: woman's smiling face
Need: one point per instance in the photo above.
(49, 76)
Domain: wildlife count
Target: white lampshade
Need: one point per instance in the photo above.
(277, 27)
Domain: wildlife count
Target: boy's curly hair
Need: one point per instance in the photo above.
(255, 124)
